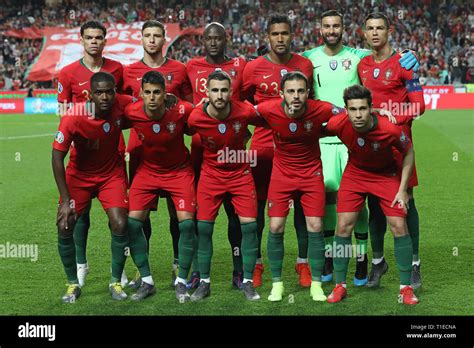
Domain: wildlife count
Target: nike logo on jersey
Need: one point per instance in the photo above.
(139, 78)
(201, 71)
(316, 66)
(82, 83)
(266, 76)
(364, 71)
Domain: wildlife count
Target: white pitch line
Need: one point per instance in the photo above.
(27, 136)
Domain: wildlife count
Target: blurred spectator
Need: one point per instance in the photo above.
(438, 31)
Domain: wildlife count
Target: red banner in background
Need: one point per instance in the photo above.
(438, 89)
(62, 46)
(441, 101)
(13, 106)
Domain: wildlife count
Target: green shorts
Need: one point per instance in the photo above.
(334, 157)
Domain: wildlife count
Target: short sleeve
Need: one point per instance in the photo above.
(64, 135)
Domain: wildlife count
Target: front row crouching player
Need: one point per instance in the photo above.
(296, 174)
(164, 166)
(222, 127)
(95, 170)
(372, 169)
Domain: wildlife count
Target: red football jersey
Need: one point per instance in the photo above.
(393, 88)
(198, 69)
(162, 140)
(220, 137)
(173, 71)
(74, 80)
(261, 81)
(372, 151)
(95, 140)
(297, 150)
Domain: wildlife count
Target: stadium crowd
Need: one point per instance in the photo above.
(439, 31)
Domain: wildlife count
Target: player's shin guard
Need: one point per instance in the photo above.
(138, 246)
(204, 251)
(187, 245)
(413, 223)
(276, 251)
(260, 226)
(301, 231)
(174, 231)
(118, 245)
(234, 235)
(316, 254)
(377, 227)
(81, 231)
(195, 258)
(403, 255)
(341, 257)
(67, 252)
(249, 248)
(147, 232)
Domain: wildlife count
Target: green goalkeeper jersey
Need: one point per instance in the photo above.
(332, 74)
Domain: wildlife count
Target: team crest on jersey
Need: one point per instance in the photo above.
(293, 126)
(171, 127)
(106, 127)
(60, 87)
(156, 128)
(308, 125)
(169, 77)
(232, 73)
(283, 72)
(335, 110)
(376, 146)
(403, 139)
(333, 64)
(388, 74)
(222, 128)
(376, 73)
(346, 63)
(360, 142)
(237, 126)
(59, 137)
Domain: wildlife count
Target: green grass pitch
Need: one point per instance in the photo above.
(444, 145)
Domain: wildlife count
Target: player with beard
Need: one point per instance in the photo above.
(198, 69)
(335, 68)
(261, 82)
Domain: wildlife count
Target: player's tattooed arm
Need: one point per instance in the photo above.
(66, 210)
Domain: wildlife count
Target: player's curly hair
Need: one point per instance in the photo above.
(93, 25)
(357, 92)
